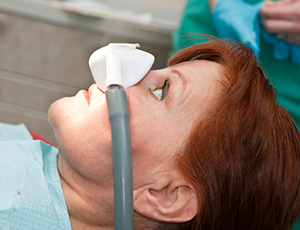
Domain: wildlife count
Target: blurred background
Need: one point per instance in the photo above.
(45, 46)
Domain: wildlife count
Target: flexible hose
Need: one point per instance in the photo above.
(122, 163)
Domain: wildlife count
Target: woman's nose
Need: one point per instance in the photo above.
(142, 84)
(132, 90)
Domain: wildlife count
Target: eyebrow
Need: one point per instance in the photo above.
(181, 77)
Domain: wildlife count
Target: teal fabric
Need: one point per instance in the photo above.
(283, 50)
(31, 196)
(284, 75)
(15, 132)
(244, 25)
(296, 225)
(240, 25)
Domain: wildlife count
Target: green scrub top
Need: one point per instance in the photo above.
(283, 75)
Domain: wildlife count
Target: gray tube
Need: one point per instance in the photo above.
(119, 121)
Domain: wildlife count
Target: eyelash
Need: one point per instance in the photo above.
(161, 93)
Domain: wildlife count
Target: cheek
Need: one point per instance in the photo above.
(151, 137)
(148, 127)
(153, 149)
(89, 154)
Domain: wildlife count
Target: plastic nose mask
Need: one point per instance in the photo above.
(119, 64)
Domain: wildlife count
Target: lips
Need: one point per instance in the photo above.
(92, 88)
(93, 91)
(86, 95)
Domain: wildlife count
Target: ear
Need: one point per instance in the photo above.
(167, 201)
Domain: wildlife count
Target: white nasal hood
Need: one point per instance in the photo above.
(119, 64)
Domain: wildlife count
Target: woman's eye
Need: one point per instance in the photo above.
(161, 93)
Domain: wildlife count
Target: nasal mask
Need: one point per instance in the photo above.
(119, 64)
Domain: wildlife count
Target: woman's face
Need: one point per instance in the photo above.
(160, 121)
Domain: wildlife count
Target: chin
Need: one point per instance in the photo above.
(56, 112)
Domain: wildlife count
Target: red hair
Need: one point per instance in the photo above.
(242, 158)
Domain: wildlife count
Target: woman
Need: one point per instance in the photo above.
(211, 149)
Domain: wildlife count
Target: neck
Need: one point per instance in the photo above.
(90, 206)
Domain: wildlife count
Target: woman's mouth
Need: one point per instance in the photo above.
(87, 95)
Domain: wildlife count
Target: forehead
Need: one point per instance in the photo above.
(207, 69)
(203, 77)
(199, 75)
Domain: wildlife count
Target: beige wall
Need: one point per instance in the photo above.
(42, 61)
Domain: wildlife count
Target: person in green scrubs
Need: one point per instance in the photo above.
(284, 75)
